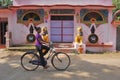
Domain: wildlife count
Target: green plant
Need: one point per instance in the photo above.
(5, 3)
(117, 4)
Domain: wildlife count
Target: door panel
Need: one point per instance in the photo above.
(68, 31)
(55, 24)
(56, 31)
(68, 23)
(67, 39)
(56, 38)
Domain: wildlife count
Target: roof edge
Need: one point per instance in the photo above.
(111, 6)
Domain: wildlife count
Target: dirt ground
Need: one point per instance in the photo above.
(83, 67)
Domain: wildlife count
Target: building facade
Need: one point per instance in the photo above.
(62, 18)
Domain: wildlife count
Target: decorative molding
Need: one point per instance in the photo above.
(30, 16)
(101, 15)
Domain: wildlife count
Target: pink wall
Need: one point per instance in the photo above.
(53, 2)
(106, 32)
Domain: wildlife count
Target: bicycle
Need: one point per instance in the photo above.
(30, 60)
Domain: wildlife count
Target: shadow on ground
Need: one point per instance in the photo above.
(10, 69)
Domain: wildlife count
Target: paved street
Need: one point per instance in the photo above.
(83, 67)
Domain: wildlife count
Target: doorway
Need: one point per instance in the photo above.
(3, 29)
(62, 28)
(118, 38)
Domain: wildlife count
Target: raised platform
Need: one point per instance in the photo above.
(66, 47)
(60, 47)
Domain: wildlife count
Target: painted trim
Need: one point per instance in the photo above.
(98, 45)
(37, 6)
(4, 10)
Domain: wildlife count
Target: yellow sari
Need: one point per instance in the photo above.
(78, 39)
(45, 38)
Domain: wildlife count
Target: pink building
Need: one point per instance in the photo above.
(62, 18)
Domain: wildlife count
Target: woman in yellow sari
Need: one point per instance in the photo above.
(79, 37)
(45, 36)
(79, 40)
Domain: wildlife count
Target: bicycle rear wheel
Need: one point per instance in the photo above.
(28, 61)
(60, 61)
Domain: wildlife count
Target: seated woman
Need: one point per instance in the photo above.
(78, 38)
(45, 36)
(78, 44)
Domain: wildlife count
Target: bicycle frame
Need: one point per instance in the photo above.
(51, 51)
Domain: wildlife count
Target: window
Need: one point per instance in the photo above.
(61, 17)
(62, 11)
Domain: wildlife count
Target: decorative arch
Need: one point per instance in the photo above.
(100, 16)
(31, 15)
(93, 14)
(35, 16)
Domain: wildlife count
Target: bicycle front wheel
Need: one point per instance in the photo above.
(60, 61)
(28, 61)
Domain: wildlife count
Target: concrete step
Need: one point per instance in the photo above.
(59, 47)
(21, 48)
(63, 45)
(65, 50)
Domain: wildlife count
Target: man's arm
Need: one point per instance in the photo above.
(42, 41)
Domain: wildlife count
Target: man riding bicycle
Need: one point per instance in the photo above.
(40, 46)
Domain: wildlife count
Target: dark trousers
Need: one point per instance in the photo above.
(42, 59)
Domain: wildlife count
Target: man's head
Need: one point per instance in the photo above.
(38, 29)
